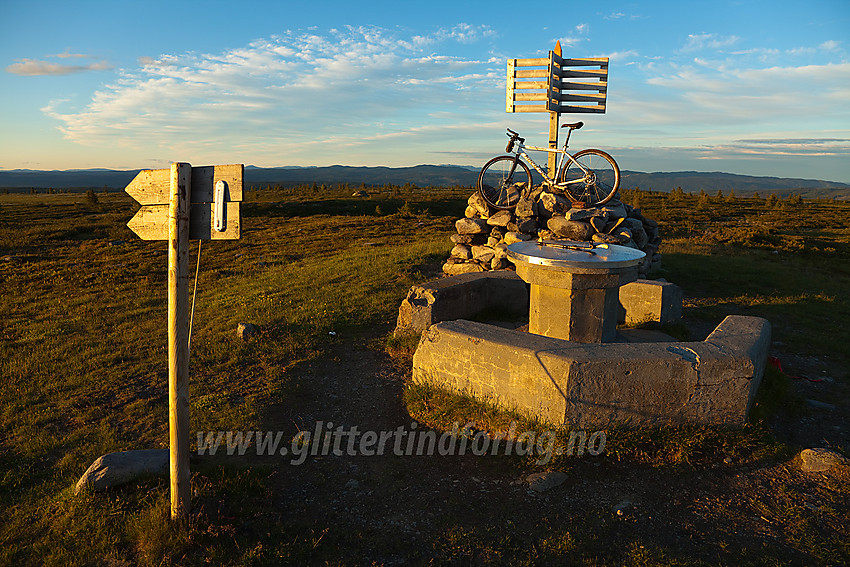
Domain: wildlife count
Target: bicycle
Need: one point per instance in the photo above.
(588, 178)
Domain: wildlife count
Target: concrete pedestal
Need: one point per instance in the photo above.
(574, 294)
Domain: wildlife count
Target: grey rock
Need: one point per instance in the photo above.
(493, 241)
(615, 209)
(525, 208)
(543, 481)
(638, 233)
(360, 194)
(574, 230)
(245, 330)
(582, 214)
(554, 203)
(471, 213)
(115, 469)
(820, 459)
(461, 251)
(598, 223)
(477, 202)
(512, 237)
(462, 268)
(471, 226)
(480, 251)
(603, 238)
(502, 218)
(498, 263)
(469, 238)
(528, 226)
(819, 405)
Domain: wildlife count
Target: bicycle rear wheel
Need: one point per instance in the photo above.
(501, 183)
(600, 183)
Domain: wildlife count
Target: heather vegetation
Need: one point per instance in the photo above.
(321, 273)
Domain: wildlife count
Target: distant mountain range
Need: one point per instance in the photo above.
(432, 175)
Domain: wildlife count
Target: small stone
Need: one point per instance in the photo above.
(471, 226)
(819, 405)
(245, 330)
(554, 203)
(502, 218)
(499, 263)
(582, 214)
(603, 238)
(461, 251)
(117, 243)
(622, 508)
(512, 237)
(481, 251)
(820, 459)
(528, 226)
(493, 241)
(477, 202)
(638, 233)
(543, 481)
(468, 238)
(525, 208)
(498, 232)
(598, 224)
(471, 213)
(573, 230)
(615, 209)
(360, 194)
(462, 268)
(352, 484)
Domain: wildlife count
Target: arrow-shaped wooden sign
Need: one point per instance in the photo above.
(152, 186)
(151, 222)
(152, 189)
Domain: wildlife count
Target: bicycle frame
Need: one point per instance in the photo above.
(520, 152)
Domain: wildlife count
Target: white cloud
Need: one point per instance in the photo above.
(702, 41)
(35, 67)
(284, 92)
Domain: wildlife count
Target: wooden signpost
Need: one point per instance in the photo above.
(179, 204)
(564, 86)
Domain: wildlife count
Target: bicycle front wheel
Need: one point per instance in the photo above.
(600, 182)
(501, 181)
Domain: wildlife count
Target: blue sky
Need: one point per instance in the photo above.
(759, 88)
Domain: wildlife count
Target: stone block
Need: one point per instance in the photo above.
(712, 382)
(650, 300)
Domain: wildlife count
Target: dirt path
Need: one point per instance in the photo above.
(388, 509)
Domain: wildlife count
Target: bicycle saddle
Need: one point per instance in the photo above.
(573, 126)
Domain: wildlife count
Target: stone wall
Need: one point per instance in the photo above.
(484, 233)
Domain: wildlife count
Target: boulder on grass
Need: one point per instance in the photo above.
(115, 469)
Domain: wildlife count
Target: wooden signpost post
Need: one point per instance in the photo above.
(179, 204)
(561, 84)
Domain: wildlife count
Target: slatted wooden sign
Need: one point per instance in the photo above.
(556, 84)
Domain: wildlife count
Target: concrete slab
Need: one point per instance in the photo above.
(582, 385)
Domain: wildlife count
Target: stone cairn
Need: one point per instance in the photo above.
(484, 233)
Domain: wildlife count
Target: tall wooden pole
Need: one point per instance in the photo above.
(553, 143)
(178, 338)
(554, 100)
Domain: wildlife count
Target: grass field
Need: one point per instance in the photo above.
(83, 372)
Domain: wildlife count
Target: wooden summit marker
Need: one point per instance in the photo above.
(179, 204)
(562, 85)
